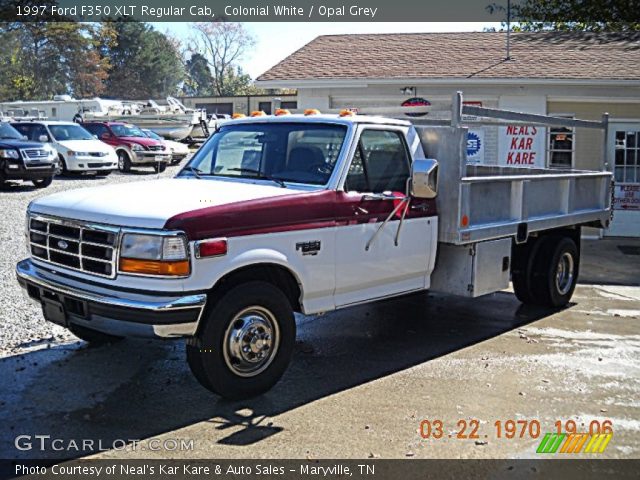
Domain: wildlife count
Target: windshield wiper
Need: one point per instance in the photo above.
(9, 138)
(196, 171)
(259, 175)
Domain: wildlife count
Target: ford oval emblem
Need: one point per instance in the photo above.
(63, 245)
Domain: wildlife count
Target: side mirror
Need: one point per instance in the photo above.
(424, 178)
(43, 139)
(96, 137)
(24, 137)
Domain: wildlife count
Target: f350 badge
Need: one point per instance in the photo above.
(308, 248)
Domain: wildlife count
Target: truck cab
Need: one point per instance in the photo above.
(293, 213)
(21, 159)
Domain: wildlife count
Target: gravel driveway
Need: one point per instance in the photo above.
(21, 322)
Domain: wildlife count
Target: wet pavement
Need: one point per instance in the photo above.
(361, 382)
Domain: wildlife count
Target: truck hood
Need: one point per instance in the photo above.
(150, 204)
(86, 146)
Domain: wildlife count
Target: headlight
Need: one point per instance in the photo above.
(136, 147)
(71, 153)
(154, 254)
(10, 154)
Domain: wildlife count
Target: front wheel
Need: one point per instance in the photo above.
(64, 170)
(42, 182)
(124, 162)
(245, 343)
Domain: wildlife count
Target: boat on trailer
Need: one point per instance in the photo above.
(173, 121)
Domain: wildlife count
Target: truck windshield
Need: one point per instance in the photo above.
(8, 132)
(283, 152)
(71, 131)
(127, 131)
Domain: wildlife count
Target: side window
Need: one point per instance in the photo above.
(380, 164)
(24, 130)
(96, 129)
(40, 131)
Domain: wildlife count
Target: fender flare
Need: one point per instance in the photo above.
(262, 257)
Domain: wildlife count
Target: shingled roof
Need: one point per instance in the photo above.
(549, 55)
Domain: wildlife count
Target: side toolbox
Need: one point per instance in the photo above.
(472, 270)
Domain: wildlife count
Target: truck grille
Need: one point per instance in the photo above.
(156, 148)
(84, 247)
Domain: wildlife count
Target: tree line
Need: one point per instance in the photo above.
(123, 59)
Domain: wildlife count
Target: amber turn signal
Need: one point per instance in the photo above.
(155, 267)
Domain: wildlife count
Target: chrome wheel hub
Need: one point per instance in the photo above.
(251, 341)
(564, 273)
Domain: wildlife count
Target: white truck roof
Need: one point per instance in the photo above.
(321, 118)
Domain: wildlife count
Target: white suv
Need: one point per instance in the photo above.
(78, 150)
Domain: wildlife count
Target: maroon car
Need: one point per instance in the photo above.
(134, 148)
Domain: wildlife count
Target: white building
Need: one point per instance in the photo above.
(578, 75)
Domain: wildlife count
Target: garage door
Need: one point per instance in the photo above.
(624, 147)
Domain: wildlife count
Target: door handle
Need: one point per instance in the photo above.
(369, 197)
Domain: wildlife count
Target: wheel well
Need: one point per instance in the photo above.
(520, 252)
(573, 233)
(277, 275)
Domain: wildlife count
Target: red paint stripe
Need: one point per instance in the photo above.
(302, 211)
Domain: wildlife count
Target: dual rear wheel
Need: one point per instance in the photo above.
(545, 270)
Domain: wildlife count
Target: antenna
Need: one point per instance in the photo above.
(508, 30)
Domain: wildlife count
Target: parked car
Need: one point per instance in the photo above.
(21, 159)
(133, 147)
(179, 151)
(78, 150)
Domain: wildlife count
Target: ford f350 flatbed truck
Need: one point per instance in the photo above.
(304, 213)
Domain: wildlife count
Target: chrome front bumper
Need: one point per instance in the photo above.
(141, 314)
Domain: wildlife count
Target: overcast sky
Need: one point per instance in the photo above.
(277, 40)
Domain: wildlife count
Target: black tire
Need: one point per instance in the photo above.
(124, 162)
(551, 284)
(242, 309)
(63, 166)
(93, 337)
(523, 258)
(160, 167)
(42, 182)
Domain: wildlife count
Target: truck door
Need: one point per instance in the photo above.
(378, 172)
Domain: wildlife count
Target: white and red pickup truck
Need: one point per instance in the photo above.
(303, 213)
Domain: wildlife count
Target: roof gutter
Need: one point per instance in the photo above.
(365, 82)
